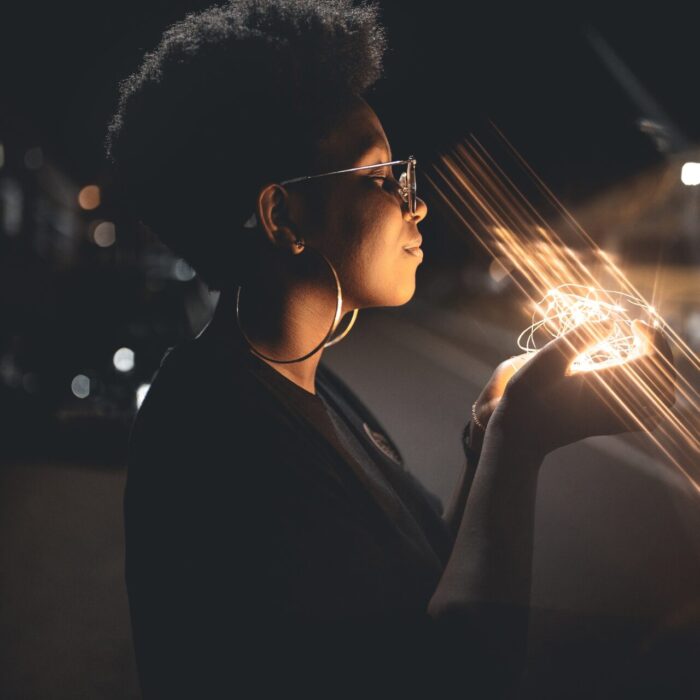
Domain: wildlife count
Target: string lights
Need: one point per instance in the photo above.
(570, 305)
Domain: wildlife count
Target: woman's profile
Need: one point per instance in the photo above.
(273, 536)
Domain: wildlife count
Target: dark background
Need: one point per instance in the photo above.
(531, 70)
(66, 304)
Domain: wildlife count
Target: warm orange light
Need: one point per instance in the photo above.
(483, 198)
(89, 197)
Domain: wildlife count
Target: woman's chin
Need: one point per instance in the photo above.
(408, 296)
(398, 296)
(402, 295)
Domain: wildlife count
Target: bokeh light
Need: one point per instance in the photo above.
(80, 386)
(89, 197)
(104, 234)
(124, 359)
(182, 271)
(690, 174)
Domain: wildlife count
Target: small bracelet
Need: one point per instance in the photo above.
(477, 422)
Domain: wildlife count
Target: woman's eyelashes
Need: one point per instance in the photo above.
(381, 177)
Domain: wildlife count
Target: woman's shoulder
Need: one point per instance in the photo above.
(198, 373)
(196, 398)
(208, 395)
(177, 383)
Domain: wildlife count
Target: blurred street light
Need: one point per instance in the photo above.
(89, 197)
(124, 359)
(104, 234)
(80, 386)
(690, 174)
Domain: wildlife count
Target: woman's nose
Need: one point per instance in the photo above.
(421, 211)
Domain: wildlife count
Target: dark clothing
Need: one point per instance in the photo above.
(272, 535)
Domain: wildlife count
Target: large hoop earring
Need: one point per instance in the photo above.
(325, 343)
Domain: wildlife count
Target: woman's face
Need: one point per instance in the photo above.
(359, 220)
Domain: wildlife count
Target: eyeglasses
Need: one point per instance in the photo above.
(407, 182)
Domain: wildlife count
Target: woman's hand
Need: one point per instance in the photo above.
(491, 394)
(544, 406)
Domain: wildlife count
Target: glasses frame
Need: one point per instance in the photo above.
(407, 179)
(407, 182)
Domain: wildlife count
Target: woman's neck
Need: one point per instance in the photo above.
(278, 328)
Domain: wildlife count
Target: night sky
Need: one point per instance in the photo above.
(451, 67)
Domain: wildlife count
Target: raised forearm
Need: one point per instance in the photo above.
(492, 554)
(484, 592)
(472, 440)
(455, 509)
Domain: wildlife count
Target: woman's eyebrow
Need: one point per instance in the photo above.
(375, 148)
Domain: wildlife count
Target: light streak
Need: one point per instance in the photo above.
(477, 191)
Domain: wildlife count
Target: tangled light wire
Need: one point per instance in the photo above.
(570, 305)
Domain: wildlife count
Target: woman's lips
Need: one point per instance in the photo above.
(413, 248)
(416, 251)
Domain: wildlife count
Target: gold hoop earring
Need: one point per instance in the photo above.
(325, 343)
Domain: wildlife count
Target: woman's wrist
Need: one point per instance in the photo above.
(507, 446)
(508, 436)
(471, 443)
(476, 428)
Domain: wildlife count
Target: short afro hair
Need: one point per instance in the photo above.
(232, 97)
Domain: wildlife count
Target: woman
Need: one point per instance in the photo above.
(273, 536)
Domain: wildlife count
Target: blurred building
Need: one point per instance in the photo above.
(88, 309)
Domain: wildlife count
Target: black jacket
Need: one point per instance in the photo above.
(272, 535)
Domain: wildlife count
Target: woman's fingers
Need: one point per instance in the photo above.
(569, 405)
(665, 365)
(647, 379)
(660, 342)
(656, 350)
(555, 358)
(512, 366)
(643, 335)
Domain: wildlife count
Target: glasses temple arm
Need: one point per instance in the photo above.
(347, 170)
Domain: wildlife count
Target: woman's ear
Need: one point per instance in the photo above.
(274, 215)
